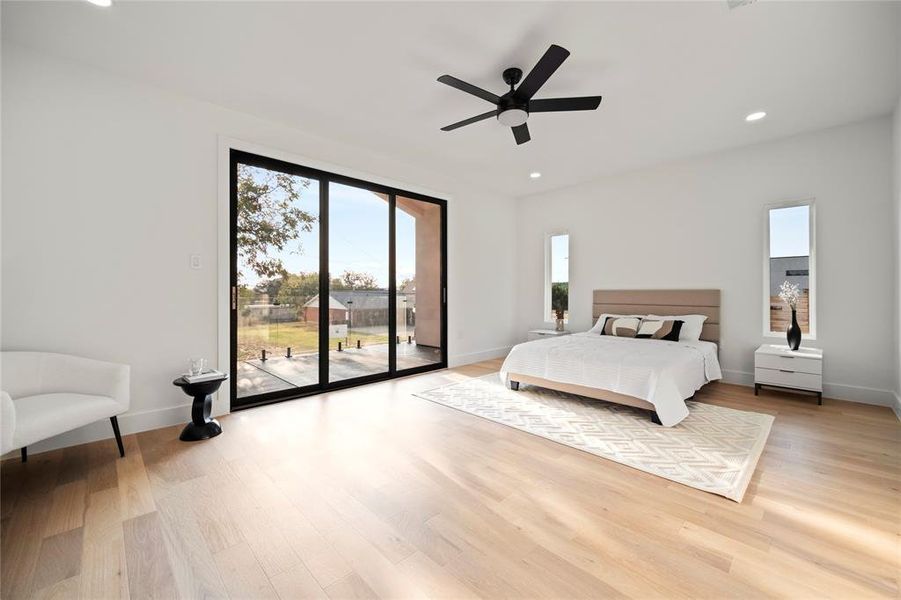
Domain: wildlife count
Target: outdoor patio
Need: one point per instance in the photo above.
(281, 373)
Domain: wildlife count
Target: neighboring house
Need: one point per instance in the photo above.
(360, 308)
(789, 268)
(337, 312)
(794, 269)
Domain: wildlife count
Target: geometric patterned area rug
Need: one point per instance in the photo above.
(714, 448)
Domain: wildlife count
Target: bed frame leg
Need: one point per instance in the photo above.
(654, 418)
(514, 385)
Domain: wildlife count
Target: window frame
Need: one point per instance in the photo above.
(548, 267)
(234, 155)
(812, 266)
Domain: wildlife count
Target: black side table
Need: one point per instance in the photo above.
(201, 427)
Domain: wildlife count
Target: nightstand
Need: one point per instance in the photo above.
(540, 334)
(778, 366)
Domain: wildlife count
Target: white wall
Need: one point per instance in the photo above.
(698, 223)
(897, 205)
(109, 185)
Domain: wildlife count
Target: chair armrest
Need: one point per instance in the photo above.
(7, 422)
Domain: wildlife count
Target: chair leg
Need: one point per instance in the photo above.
(24, 454)
(115, 422)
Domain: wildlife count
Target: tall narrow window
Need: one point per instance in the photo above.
(556, 288)
(790, 266)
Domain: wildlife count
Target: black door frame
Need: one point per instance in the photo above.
(324, 178)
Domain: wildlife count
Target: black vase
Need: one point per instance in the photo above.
(794, 332)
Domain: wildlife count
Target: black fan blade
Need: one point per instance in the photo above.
(541, 72)
(469, 88)
(521, 133)
(558, 104)
(476, 119)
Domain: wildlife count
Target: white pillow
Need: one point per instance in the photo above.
(691, 325)
(599, 324)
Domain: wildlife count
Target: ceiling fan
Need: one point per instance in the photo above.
(513, 108)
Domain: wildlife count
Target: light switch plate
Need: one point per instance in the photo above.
(195, 261)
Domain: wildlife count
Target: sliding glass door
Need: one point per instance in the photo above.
(335, 281)
(276, 246)
(358, 282)
(418, 273)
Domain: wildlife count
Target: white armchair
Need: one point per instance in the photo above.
(45, 394)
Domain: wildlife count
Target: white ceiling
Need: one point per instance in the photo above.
(677, 77)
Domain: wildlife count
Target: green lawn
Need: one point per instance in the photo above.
(301, 337)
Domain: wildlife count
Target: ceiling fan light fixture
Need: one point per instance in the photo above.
(512, 117)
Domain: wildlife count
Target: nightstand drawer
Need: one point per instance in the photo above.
(789, 363)
(789, 379)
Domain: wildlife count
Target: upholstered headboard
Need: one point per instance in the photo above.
(664, 303)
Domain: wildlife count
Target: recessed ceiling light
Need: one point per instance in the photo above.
(101, 2)
(755, 116)
(535, 175)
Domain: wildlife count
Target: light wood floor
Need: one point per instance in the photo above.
(373, 493)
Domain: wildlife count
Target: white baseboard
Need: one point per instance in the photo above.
(128, 423)
(839, 391)
(172, 415)
(896, 405)
(738, 377)
(457, 360)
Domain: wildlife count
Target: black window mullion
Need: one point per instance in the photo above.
(324, 303)
(392, 285)
(444, 357)
(233, 277)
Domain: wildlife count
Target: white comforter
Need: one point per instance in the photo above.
(663, 373)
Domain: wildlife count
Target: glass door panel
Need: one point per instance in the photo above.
(359, 307)
(418, 282)
(276, 236)
(332, 283)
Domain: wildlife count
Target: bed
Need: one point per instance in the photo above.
(653, 375)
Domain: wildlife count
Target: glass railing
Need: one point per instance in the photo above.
(289, 326)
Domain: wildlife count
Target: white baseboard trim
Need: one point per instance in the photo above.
(738, 377)
(129, 423)
(839, 391)
(146, 420)
(457, 360)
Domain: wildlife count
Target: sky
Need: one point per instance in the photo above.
(560, 259)
(358, 236)
(790, 231)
